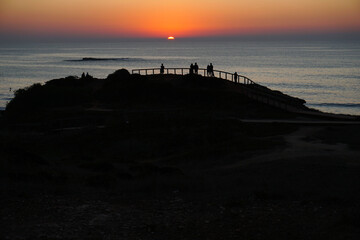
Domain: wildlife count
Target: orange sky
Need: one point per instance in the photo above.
(181, 18)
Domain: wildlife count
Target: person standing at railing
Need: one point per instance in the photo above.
(191, 68)
(196, 68)
(235, 77)
(162, 69)
(211, 68)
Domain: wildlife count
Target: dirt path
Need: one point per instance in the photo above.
(300, 145)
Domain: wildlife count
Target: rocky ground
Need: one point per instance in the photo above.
(299, 182)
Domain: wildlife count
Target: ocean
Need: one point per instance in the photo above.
(324, 73)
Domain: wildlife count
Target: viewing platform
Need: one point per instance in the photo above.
(202, 72)
(245, 86)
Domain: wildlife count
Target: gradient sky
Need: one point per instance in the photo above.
(181, 18)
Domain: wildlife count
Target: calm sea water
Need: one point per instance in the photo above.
(325, 74)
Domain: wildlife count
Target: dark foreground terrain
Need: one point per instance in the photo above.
(160, 163)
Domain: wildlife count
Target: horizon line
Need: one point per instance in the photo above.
(347, 35)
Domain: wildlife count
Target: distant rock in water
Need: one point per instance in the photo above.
(92, 59)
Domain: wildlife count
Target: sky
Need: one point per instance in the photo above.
(179, 18)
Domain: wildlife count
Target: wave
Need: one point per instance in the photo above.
(92, 59)
(6, 96)
(346, 105)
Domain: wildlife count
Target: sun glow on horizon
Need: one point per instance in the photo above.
(171, 38)
(156, 18)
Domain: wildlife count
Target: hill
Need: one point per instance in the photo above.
(74, 97)
(166, 156)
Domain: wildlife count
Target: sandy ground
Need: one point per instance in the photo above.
(290, 182)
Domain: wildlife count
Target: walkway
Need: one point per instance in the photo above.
(301, 122)
(252, 90)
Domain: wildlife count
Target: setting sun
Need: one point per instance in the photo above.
(171, 38)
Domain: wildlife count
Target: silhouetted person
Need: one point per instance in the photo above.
(87, 75)
(191, 68)
(196, 68)
(208, 70)
(235, 77)
(211, 68)
(83, 75)
(162, 69)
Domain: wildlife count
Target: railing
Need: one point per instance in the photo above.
(202, 71)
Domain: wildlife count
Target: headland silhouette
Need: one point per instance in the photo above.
(169, 155)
